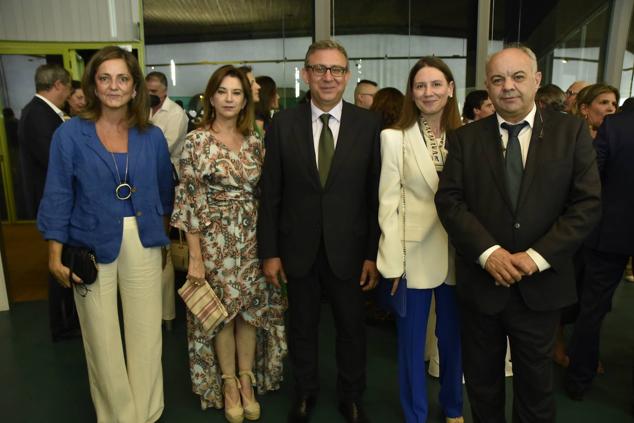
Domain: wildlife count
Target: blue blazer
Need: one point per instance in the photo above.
(79, 206)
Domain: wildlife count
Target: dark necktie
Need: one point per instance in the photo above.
(513, 167)
(326, 149)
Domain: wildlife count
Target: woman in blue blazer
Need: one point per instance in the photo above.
(109, 186)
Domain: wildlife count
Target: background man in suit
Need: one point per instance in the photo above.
(606, 250)
(38, 121)
(364, 93)
(172, 120)
(571, 95)
(318, 224)
(519, 193)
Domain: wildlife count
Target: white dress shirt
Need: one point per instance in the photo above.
(172, 120)
(56, 109)
(525, 139)
(334, 123)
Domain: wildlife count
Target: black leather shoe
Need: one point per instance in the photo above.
(353, 412)
(301, 409)
(574, 393)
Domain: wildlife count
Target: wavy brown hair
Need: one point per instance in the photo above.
(246, 118)
(588, 94)
(388, 102)
(138, 107)
(450, 118)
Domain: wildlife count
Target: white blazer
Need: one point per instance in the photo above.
(429, 261)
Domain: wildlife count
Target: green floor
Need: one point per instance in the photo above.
(46, 382)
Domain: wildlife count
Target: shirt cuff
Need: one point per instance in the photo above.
(485, 256)
(540, 261)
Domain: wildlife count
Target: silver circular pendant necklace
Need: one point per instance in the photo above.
(123, 191)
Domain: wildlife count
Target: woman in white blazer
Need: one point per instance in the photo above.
(413, 155)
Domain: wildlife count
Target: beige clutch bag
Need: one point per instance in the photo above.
(202, 301)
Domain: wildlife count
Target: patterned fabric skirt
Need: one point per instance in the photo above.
(266, 313)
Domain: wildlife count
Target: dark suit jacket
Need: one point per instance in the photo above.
(296, 213)
(37, 124)
(559, 204)
(614, 145)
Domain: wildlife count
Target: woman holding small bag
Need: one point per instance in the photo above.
(414, 243)
(108, 188)
(216, 206)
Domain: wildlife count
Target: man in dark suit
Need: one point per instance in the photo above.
(519, 193)
(318, 224)
(606, 250)
(38, 121)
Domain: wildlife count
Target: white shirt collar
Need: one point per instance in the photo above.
(335, 112)
(529, 118)
(56, 109)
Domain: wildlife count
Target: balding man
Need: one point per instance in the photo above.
(571, 95)
(364, 93)
(519, 193)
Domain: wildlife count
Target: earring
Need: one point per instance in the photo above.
(134, 94)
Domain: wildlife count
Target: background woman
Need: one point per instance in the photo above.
(109, 184)
(388, 102)
(216, 206)
(596, 101)
(76, 100)
(269, 102)
(429, 110)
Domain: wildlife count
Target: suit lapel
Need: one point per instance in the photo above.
(492, 145)
(416, 144)
(136, 142)
(345, 141)
(303, 134)
(92, 140)
(531, 158)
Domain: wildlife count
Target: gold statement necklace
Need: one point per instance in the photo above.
(435, 145)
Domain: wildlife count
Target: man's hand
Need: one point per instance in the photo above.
(500, 265)
(369, 275)
(274, 271)
(524, 263)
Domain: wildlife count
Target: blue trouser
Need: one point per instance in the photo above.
(411, 351)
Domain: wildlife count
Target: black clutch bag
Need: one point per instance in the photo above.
(81, 261)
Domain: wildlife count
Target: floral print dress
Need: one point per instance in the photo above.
(216, 198)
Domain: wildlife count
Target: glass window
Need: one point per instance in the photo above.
(273, 41)
(391, 39)
(567, 36)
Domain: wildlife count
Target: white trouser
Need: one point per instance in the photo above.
(167, 287)
(120, 394)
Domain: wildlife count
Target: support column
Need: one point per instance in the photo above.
(482, 49)
(322, 20)
(619, 31)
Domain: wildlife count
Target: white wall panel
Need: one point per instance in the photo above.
(67, 20)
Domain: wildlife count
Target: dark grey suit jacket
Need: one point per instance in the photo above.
(296, 213)
(558, 206)
(614, 145)
(37, 124)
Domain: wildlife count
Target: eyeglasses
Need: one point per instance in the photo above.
(320, 70)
